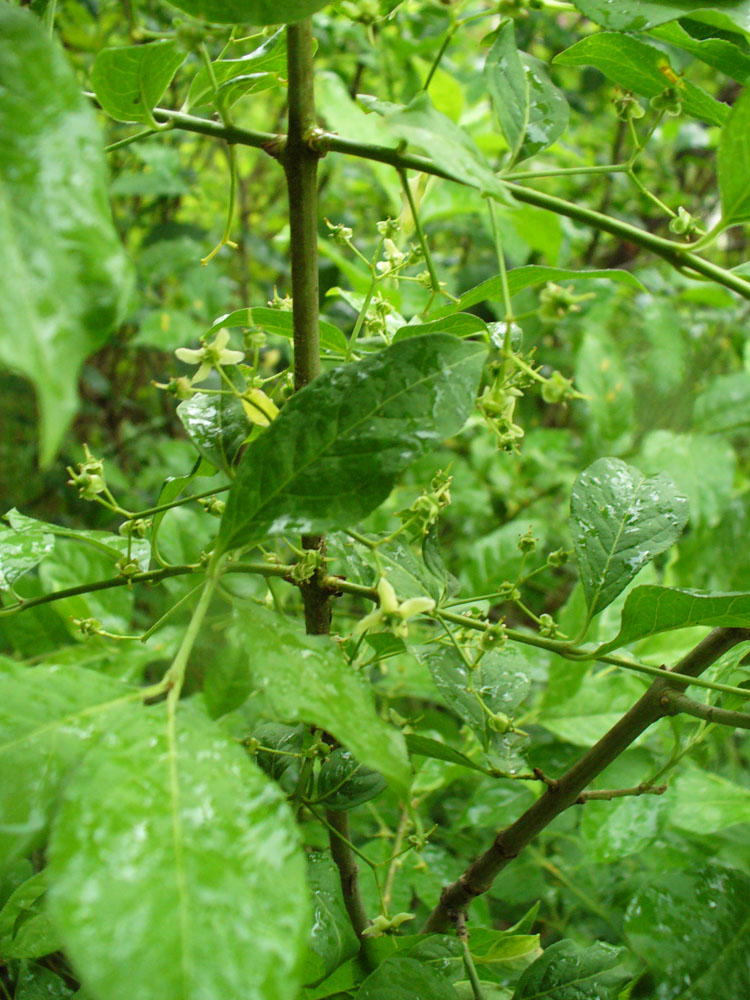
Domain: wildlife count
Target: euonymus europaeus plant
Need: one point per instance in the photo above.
(277, 729)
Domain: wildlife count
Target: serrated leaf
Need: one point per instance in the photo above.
(312, 469)
(635, 66)
(693, 931)
(344, 783)
(531, 111)
(733, 161)
(332, 939)
(249, 11)
(199, 844)
(130, 81)
(49, 716)
(217, 426)
(305, 678)
(567, 972)
(619, 521)
(649, 610)
(65, 277)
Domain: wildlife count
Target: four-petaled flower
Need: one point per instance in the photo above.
(210, 356)
(392, 614)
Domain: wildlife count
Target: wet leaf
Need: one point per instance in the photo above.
(531, 111)
(693, 930)
(25, 928)
(402, 978)
(312, 469)
(114, 546)
(129, 82)
(305, 678)
(344, 783)
(332, 939)
(619, 521)
(217, 426)
(622, 15)
(175, 830)
(567, 972)
(648, 610)
(21, 549)
(49, 716)
(65, 277)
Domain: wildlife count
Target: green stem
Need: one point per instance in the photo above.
(136, 137)
(49, 17)
(471, 969)
(175, 676)
(419, 231)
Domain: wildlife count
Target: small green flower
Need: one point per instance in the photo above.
(391, 613)
(210, 356)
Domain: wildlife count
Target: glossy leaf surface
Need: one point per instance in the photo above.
(622, 15)
(313, 470)
(635, 66)
(21, 549)
(130, 81)
(403, 978)
(25, 927)
(332, 940)
(216, 425)
(619, 521)
(305, 678)
(567, 972)
(199, 844)
(693, 930)
(344, 783)
(651, 609)
(49, 716)
(64, 274)
(531, 111)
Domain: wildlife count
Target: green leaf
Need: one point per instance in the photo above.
(65, 277)
(459, 325)
(531, 111)
(129, 82)
(717, 52)
(236, 77)
(619, 521)
(622, 15)
(199, 844)
(651, 609)
(25, 928)
(567, 972)
(249, 11)
(693, 930)
(312, 469)
(21, 549)
(733, 161)
(35, 982)
(499, 684)
(425, 746)
(114, 546)
(217, 426)
(448, 145)
(344, 783)
(635, 66)
(701, 467)
(332, 939)
(702, 802)
(402, 978)
(602, 376)
(724, 405)
(304, 678)
(520, 278)
(49, 716)
(280, 324)
(286, 741)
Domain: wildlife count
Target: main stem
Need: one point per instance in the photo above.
(300, 162)
(508, 844)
